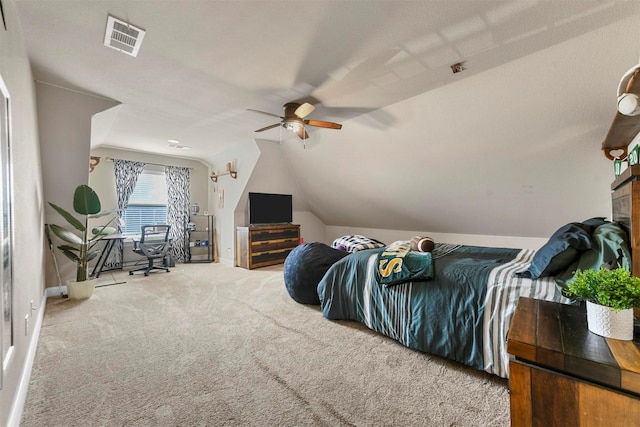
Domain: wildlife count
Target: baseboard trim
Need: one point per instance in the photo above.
(55, 291)
(23, 387)
(227, 261)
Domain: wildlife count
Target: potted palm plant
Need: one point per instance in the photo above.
(79, 247)
(611, 295)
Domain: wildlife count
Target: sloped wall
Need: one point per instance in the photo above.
(262, 167)
(513, 151)
(274, 174)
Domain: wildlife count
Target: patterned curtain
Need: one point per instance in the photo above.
(179, 194)
(127, 173)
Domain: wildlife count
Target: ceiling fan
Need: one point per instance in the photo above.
(294, 119)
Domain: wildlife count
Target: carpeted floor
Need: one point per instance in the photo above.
(209, 345)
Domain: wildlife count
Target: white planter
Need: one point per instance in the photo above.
(610, 323)
(81, 290)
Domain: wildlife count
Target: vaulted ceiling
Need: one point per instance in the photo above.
(202, 64)
(482, 151)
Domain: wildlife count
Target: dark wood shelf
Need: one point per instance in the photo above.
(623, 128)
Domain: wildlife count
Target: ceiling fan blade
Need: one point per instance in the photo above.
(264, 112)
(302, 134)
(268, 127)
(304, 110)
(321, 124)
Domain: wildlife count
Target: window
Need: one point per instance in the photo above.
(148, 203)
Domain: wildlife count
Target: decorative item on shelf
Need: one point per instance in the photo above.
(80, 248)
(611, 296)
(633, 156)
(230, 171)
(617, 167)
(93, 162)
(195, 209)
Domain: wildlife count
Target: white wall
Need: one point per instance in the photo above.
(245, 156)
(64, 121)
(102, 180)
(512, 151)
(28, 209)
(262, 167)
(389, 236)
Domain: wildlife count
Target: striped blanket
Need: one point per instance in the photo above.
(462, 314)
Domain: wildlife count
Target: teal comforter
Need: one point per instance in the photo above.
(444, 316)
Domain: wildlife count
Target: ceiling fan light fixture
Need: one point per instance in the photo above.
(293, 126)
(293, 119)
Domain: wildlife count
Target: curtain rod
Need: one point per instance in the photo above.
(146, 163)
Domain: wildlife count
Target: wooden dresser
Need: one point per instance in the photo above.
(560, 374)
(625, 199)
(260, 246)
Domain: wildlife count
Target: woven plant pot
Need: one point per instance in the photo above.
(610, 323)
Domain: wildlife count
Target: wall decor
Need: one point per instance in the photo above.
(231, 171)
(617, 167)
(6, 230)
(632, 158)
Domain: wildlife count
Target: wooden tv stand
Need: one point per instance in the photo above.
(263, 245)
(561, 374)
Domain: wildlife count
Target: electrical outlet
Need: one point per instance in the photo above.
(229, 251)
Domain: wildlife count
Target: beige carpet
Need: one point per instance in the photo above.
(209, 345)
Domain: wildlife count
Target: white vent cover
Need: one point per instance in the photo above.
(123, 36)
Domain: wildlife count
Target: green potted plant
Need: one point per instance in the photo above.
(79, 247)
(611, 295)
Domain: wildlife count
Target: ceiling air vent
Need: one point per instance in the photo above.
(123, 36)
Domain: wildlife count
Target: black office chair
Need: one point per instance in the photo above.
(154, 243)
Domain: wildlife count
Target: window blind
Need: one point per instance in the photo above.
(148, 202)
(135, 216)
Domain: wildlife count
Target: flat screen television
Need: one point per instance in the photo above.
(266, 208)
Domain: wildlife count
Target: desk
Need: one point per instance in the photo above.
(110, 240)
(560, 374)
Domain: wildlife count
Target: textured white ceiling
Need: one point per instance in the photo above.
(203, 63)
(510, 146)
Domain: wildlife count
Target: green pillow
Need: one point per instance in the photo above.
(610, 246)
(563, 247)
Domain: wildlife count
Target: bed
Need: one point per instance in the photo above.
(462, 314)
(462, 308)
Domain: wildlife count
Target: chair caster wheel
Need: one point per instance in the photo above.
(131, 273)
(146, 274)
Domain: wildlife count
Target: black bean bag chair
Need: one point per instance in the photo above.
(305, 266)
